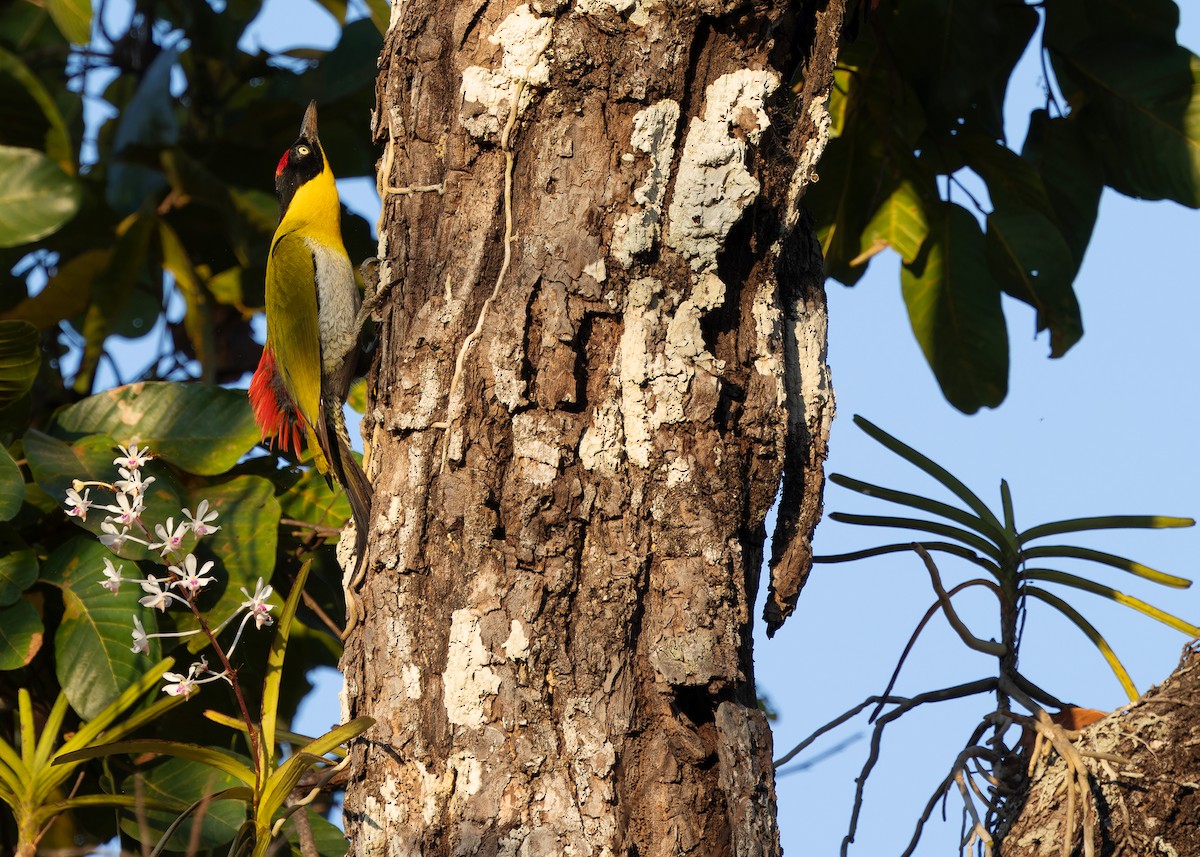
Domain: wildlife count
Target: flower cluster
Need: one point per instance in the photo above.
(185, 577)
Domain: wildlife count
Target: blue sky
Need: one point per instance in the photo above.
(1109, 428)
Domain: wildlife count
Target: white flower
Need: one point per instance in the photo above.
(79, 504)
(112, 581)
(141, 643)
(157, 599)
(170, 537)
(189, 578)
(132, 482)
(128, 508)
(257, 605)
(200, 521)
(179, 685)
(131, 457)
(111, 537)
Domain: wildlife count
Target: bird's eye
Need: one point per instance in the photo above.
(302, 150)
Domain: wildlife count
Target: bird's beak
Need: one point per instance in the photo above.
(308, 128)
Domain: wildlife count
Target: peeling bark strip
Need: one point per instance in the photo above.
(556, 633)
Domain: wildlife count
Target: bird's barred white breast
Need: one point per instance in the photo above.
(337, 303)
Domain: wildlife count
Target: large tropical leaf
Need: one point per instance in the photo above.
(200, 429)
(93, 659)
(36, 196)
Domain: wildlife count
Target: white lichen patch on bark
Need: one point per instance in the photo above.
(679, 471)
(487, 93)
(714, 186)
(467, 681)
(592, 758)
(534, 449)
(637, 11)
(814, 392)
(661, 368)
(653, 133)
(597, 271)
(767, 321)
(603, 443)
(504, 355)
(516, 647)
(806, 166)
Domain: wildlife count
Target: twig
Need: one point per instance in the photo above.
(912, 641)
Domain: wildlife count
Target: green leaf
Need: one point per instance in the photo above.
(36, 196)
(1071, 176)
(183, 781)
(311, 500)
(1103, 522)
(73, 19)
(1026, 251)
(20, 357)
(967, 538)
(899, 223)
(285, 777)
(18, 565)
(1088, 629)
(1139, 106)
(270, 696)
(56, 464)
(1032, 262)
(992, 526)
(381, 14)
(959, 56)
(1069, 22)
(1135, 568)
(101, 724)
(94, 663)
(200, 429)
(954, 308)
(222, 760)
(20, 634)
(58, 141)
(1049, 576)
(12, 487)
(244, 547)
(877, 121)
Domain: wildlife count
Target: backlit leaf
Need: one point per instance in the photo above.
(200, 429)
(20, 634)
(18, 565)
(1139, 106)
(954, 309)
(36, 196)
(20, 357)
(93, 660)
(73, 19)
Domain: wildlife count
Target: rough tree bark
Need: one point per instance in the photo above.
(1148, 802)
(602, 350)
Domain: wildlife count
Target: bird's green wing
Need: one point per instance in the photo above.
(292, 330)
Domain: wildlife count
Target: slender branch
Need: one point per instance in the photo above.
(979, 581)
(988, 647)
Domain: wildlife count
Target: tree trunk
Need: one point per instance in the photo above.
(1144, 786)
(602, 348)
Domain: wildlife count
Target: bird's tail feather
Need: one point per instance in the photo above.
(348, 473)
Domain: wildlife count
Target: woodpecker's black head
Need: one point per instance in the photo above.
(302, 162)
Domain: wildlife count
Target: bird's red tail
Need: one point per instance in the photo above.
(274, 410)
